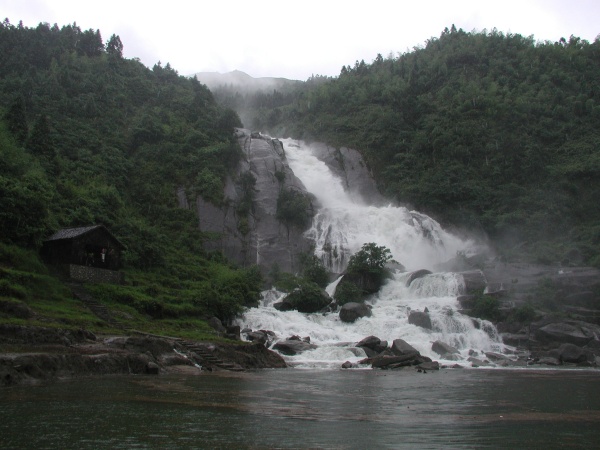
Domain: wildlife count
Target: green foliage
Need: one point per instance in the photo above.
(371, 258)
(284, 281)
(294, 208)
(348, 292)
(209, 186)
(246, 183)
(486, 307)
(93, 137)
(524, 313)
(314, 270)
(308, 297)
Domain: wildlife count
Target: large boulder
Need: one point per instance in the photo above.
(372, 345)
(352, 311)
(565, 331)
(217, 325)
(400, 347)
(570, 353)
(474, 282)
(367, 282)
(291, 347)
(308, 298)
(416, 274)
(420, 319)
(283, 305)
(442, 349)
(369, 341)
(386, 361)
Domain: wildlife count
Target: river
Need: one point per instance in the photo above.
(307, 408)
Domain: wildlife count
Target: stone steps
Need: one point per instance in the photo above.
(205, 357)
(100, 310)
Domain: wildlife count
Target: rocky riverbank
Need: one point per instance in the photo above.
(36, 354)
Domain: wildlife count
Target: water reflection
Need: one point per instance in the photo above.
(308, 409)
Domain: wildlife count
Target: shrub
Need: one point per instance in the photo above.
(487, 307)
(308, 297)
(314, 270)
(524, 313)
(370, 258)
(294, 208)
(366, 268)
(347, 292)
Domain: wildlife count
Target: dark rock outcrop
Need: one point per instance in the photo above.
(557, 331)
(570, 353)
(442, 349)
(475, 282)
(401, 354)
(217, 325)
(367, 283)
(420, 319)
(349, 165)
(54, 353)
(292, 347)
(372, 345)
(416, 274)
(307, 299)
(400, 347)
(258, 237)
(350, 312)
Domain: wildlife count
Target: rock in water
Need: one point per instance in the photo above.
(293, 347)
(420, 319)
(352, 311)
(402, 348)
(441, 348)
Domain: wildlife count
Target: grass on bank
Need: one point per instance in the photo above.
(158, 302)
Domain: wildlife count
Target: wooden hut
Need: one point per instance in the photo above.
(85, 252)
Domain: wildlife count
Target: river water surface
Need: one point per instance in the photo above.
(301, 408)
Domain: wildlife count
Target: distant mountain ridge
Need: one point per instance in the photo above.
(239, 79)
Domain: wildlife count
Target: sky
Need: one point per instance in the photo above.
(295, 40)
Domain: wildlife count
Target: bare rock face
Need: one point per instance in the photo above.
(349, 165)
(255, 236)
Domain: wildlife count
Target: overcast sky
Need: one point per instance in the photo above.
(296, 40)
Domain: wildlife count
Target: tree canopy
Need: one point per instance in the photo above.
(88, 137)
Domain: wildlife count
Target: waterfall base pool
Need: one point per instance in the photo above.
(294, 408)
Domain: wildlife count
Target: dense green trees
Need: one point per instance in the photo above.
(88, 136)
(492, 131)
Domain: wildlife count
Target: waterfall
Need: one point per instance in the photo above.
(342, 224)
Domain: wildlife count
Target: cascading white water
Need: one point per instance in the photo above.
(344, 222)
(340, 228)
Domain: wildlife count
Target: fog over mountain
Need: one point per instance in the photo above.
(239, 79)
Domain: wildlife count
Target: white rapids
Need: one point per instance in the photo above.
(340, 228)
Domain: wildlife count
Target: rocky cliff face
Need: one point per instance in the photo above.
(349, 165)
(246, 228)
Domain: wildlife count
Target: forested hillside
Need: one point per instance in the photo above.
(89, 137)
(491, 131)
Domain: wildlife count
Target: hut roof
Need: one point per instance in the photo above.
(72, 233)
